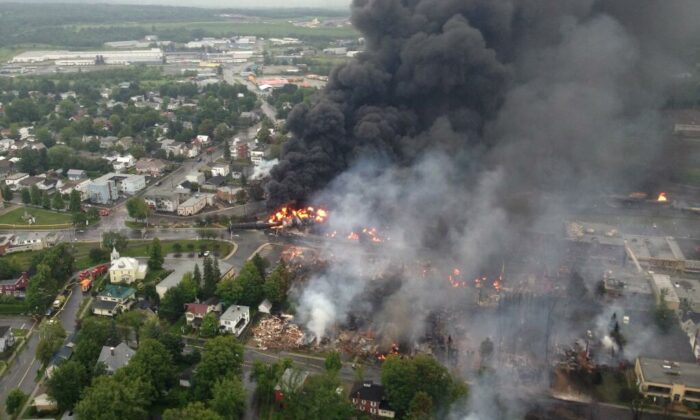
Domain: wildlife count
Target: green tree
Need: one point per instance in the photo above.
(51, 336)
(26, 196)
(44, 136)
(227, 151)
(36, 195)
(333, 363)
(177, 248)
(74, 203)
(45, 200)
(114, 240)
(114, 397)
(209, 287)
(221, 133)
(137, 208)
(267, 376)
(403, 378)
(197, 276)
(98, 255)
(93, 334)
(421, 407)
(193, 411)
(57, 202)
(210, 326)
(156, 259)
(245, 289)
(41, 290)
(132, 321)
(223, 356)
(318, 399)
(173, 303)
(14, 401)
(7, 193)
(66, 383)
(153, 364)
(276, 284)
(261, 264)
(228, 398)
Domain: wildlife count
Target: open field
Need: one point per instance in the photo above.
(268, 28)
(43, 217)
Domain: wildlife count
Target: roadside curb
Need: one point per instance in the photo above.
(260, 248)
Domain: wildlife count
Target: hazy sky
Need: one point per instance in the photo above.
(335, 4)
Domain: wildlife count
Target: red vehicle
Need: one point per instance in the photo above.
(100, 269)
(104, 212)
(85, 285)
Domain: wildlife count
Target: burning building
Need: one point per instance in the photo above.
(463, 127)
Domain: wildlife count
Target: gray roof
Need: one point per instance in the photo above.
(666, 372)
(3, 330)
(120, 358)
(104, 305)
(234, 312)
(184, 267)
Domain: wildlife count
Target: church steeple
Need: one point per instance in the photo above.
(115, 254)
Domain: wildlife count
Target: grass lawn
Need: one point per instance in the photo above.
(136, 248)
(268, 28)
(43, 217)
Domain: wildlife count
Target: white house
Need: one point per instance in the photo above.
(133, 184)
(122, 163)
(220, 169)
(6, 144)
(13, 180)
(196, 177)
(235, 319)
(126, 269)
(203, 139)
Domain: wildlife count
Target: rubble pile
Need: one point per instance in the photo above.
(278, 333)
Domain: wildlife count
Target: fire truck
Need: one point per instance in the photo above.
(87, 277)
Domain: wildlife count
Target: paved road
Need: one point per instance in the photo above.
(22, 372)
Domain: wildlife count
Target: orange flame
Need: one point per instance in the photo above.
(286, 214)
(662, 197)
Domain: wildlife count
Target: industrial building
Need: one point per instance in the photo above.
(195, 204)
(106, 188)
(82, 58)
(674, 381)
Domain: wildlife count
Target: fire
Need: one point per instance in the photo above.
(395, 350)
(662, 197)
(353, 236)
(456, 280)
(302, 215)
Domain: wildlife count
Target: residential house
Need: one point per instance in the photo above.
(235, 319)
(49, 184)
(241, 169)
(673, 381)
(15, 287)
(163, 202)
(196, 177)
(195, 204)
(126, 269)
(195, 312)
(42, 403)
(115, 358)
(7, 339)
(227, 193)
(107, 142)
(214, 182)
(76, 174)
(106, 188)
(63, 354)
(5, 243)
(177, 148)
(125, 142)
(265, 307)
(32, 241)
(202, 139)
(250, 117)
(6, 145)
(240, 151)
(292, 380)
(220, 169)
(122, 163)
(114, 300)
(184, 267)
(13, 180)
(259, 154)
(193, 150)
(369, 398)
(29, 182)
(150, 167)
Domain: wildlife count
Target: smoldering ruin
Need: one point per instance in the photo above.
(463, 139)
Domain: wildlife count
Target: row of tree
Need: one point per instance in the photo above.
(252, 284)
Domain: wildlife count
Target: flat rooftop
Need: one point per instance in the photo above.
(658, 247)
(668, 372)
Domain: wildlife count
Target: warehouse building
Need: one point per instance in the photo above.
(77, 58)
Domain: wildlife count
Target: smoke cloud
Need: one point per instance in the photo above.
(464, 127)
